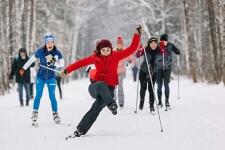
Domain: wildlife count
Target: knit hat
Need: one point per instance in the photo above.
(22, 50)
(152, 39)
(164, 37)
(49, 38)
(119, 39)
(103, 43)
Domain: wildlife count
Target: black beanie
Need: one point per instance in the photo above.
(22, 50)
(164, 37)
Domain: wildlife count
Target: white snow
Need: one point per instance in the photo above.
(195, 122)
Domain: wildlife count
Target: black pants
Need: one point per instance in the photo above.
(58, 80)
(104, 96)
(31, 90)
(163, 76)
(145, 81)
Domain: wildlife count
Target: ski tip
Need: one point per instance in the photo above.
(135, 111)
(161, 130)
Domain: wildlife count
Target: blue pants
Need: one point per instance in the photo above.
(39, 91)
(27, 90)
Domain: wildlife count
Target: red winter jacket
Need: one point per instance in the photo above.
(106, 66)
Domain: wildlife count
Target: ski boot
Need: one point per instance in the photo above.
(160, 103)
(152, 110)
(78, 132)
(34, 117)
(113, 108)
(21, 103)
(56, 117)
(167, 106)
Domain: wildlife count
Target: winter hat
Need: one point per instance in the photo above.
(119, 39)
(49, 38)
(164, 37)
(152, 39)
(103, 43)
(22, 50)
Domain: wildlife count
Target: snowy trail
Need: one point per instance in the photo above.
(196, 121)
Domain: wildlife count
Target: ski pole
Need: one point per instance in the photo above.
(163, 60)
(178, 77)
(160, 122)
(57, 71)
(137, 86)
(137, 97)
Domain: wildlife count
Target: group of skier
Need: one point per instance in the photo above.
(105, 76)
(156, 67)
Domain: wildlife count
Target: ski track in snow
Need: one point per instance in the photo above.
(196, 121)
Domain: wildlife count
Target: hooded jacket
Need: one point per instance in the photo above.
(17, 64)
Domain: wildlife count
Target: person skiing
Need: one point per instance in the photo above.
(49, 58)
(106, 78)
(163, 62)
(22, 80)
(151, 49)
(121, 71)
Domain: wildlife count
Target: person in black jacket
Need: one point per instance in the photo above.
(151, 49)
(164, 62)
(23, 81)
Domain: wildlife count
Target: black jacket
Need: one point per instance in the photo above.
(17, 64)
(151, 60)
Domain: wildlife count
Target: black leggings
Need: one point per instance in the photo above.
(145, 81)
(104, 96)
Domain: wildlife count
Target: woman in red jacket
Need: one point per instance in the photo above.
(102, 87)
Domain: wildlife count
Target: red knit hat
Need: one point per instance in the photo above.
(103, 43)
(119, 39)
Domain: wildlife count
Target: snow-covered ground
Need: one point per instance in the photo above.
(195, 122)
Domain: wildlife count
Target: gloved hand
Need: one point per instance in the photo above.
(139, 29)
(63, 73)
(22, 72)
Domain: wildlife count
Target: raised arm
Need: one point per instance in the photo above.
(131, 49)
(80, 63)
(133, 46)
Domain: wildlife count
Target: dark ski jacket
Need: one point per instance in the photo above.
(17, 64)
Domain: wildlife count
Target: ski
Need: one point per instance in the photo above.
(64, 124)
(72, 136)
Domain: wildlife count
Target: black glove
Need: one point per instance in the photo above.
(64, 73)
(139, 29)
